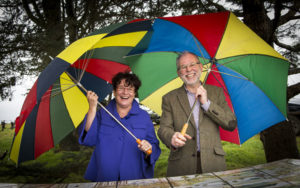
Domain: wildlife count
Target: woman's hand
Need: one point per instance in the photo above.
(93, 101)
(145, 146)
(92, 98)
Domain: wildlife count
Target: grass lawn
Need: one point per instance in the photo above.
(69, 166)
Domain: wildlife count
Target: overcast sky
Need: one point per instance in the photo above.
(9, 110)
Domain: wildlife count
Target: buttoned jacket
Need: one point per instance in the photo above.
(175, 111)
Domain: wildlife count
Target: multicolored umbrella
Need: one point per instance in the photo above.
(252, 74)
(56, 105)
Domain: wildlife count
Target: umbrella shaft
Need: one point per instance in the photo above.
(190, 115)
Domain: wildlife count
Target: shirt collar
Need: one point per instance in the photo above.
(187, 91)
(134, 108)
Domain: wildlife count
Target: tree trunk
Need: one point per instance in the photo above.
(279, 140)
(54, 29)
(255, 17)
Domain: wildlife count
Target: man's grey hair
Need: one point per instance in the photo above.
(183, 54)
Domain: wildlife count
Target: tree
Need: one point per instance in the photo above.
(272, 20)
(33, 32)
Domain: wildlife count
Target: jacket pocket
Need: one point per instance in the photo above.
(139, 131)
(219, 151)
(175, 155)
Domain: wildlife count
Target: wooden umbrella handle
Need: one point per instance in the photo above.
(184, 128)
(149, 151)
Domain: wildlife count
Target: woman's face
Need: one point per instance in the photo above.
(124, 94)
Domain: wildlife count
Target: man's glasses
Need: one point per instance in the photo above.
(192, 65)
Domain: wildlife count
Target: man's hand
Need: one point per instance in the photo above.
(178, 140)
(201, 94)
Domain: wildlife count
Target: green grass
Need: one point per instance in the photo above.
(69, 166)
(248, 154)
(298, 143)
(162, 162)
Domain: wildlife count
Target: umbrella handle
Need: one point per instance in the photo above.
(184, 128)
(149, 151)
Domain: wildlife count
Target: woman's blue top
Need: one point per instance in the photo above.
(116, 155)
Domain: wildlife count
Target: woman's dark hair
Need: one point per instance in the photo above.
(130, 80)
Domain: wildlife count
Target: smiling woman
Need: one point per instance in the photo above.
(116, 156)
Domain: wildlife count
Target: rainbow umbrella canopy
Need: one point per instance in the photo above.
(252, 74)
(55, 105)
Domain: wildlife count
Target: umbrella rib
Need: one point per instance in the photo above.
(62, 84)
(66, 86)
(63, 90)
(56, 91)
(238, 58)
(197, 46)
(81, 65)
(228, 74)
(223, 86)
(85, 65)
(206, 68)
(69, 80)
(84, 62)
